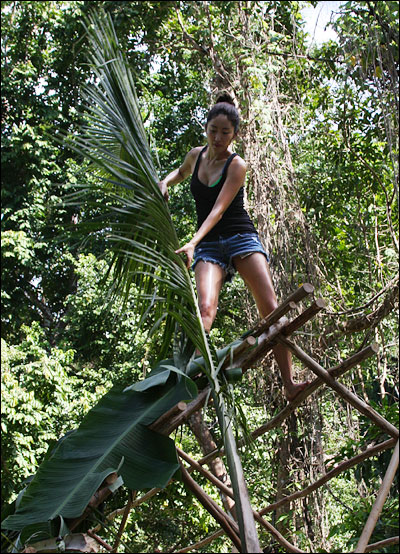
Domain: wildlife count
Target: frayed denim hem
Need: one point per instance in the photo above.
(245, 253)
(229, 271)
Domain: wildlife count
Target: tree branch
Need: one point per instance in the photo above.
(366, 321)
(340, 468)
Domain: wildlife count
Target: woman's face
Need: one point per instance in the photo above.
(220, 133)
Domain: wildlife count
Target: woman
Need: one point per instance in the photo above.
(226, 239)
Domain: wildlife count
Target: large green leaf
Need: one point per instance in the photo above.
(112, 434)
(160, 375)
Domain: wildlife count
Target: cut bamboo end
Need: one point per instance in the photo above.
(290, 303)
(308, 288)
(183, 415)
(375, 347)
(318, 305)
(164, 418)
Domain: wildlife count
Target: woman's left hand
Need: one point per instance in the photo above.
(188, 249)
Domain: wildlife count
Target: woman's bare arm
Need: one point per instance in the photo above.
(178, 175)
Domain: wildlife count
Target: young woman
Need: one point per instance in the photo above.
(226, 239)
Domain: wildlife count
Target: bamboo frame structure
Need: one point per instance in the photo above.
(277, 328)
(379, 502)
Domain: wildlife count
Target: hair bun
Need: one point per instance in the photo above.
(225, 105)
(225, 97)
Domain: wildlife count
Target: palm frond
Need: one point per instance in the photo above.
(135, 217)
(139, 228)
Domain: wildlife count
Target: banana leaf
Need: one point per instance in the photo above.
(112, 437)
(160, 375)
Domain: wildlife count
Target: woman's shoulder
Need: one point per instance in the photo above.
(238, 162)
(192, 156)
(194, 152)
(189, 162)
(237, 170)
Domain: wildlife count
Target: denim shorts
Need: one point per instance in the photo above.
(223, 250)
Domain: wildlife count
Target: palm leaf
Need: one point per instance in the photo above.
(139, 226)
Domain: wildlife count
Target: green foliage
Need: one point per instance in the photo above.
(40, 81)
(104, 335)
(41, 400)
(345, 170)
(353, 522)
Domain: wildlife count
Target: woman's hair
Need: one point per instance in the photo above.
(226, 106)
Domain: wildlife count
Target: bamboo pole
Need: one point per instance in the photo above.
(223, 488)
(335, 371)
(318, 305)
(246, 344)
(343, 466)
(339, 369)
(226, 490)
(166, 416)
(381, 544)
(201, 543)
(263, 327)
(379, 502)
(340, 468)
(166, 427)
(372, 451)
(246, 356)
(229, 526)
(248, 532)
(283, 308)
(268, 338)
(265, 342)
(280, 538)
(125, 515)
(340, 389)
(269, 330)
(353, 360)
(99, 540)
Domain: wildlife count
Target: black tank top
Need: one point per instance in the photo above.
(235, 218)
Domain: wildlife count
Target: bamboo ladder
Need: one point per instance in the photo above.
(276, 328)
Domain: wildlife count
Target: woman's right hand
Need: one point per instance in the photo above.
(164, 190)
(188, 250)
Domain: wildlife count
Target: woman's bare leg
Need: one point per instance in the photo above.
(255, 272)
(209, 280)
